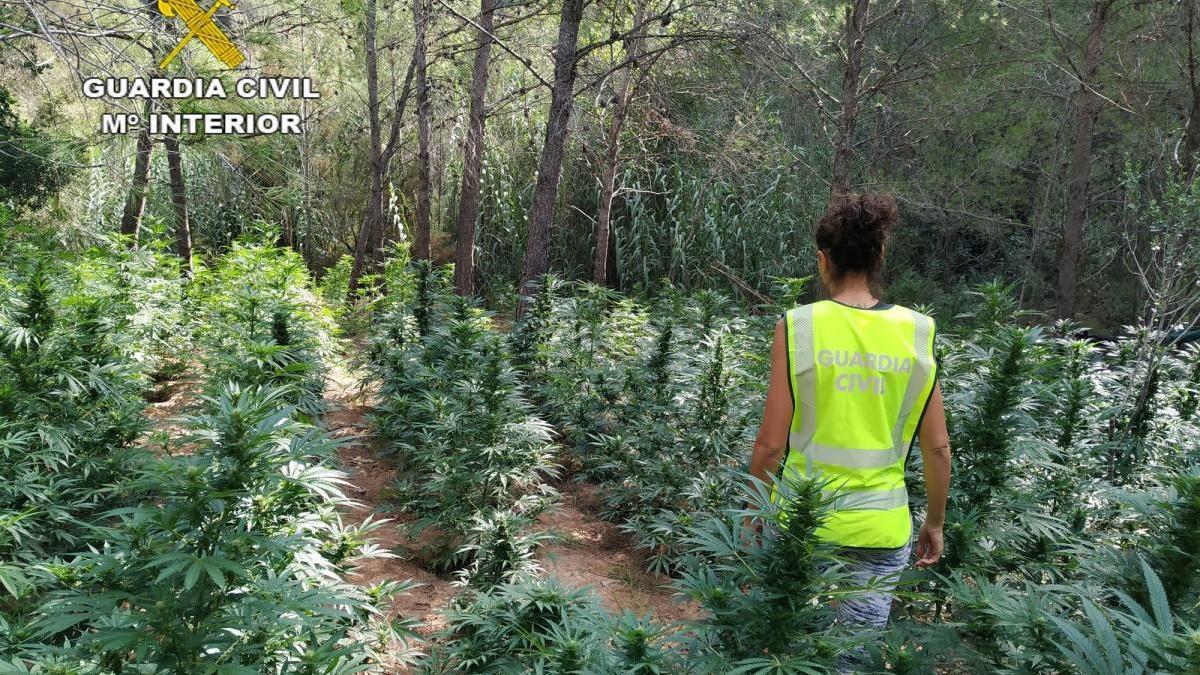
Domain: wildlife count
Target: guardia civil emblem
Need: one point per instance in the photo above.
(200, 25)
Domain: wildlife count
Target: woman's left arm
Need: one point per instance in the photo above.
(777, 414)
(935, 452)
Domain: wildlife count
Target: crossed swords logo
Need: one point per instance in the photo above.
(200, 25)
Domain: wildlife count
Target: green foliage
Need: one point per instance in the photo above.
(35, 167)
(993, 404)
(70, 405)
(511, 164)
(640, 392)
(220, 567)
(1075, 389)
(263, 325)
(765, 596)
(500, 550)
(227, 557)
(1071, 533)
(791, 291)
(1178, 546)
(1125, 636)
(1188, 393)
(656, 405)
(453, 412)
(671, 219)
(354, 312)
(335, 287)
(528, 338)
(1134, 424)
(679, 218)
(544, 627)
(725, 149)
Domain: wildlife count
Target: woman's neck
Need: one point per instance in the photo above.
(855, 291)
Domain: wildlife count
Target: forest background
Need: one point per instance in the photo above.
(1039, 142)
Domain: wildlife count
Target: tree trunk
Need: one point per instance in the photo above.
(374, 211)
(304, 236)
(1191, 137)
(1087, 108)
(541, 213)
(135, 203)
(379, 229)
(843, 145)
(183, 229)
(378, 158)
(1191, 134)
(422, 247)
(470, 193)
(286, 232)
(608, 180)
(608, 185)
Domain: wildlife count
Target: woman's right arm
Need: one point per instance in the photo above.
(935, 451)
(777, 413)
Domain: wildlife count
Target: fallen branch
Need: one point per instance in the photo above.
(740, 283)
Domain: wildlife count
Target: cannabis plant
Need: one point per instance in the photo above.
(70, 407)
(766, 596)
(1113, 633)
(263, 324)
(640, 393)
(456, 420)
(220, 567)
(501, 549)
(542, 626)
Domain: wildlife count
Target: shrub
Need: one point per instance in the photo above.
(456, 420)
(220, 567)
(263, 325)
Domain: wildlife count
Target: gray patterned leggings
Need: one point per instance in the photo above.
(873, 608)
(864, 564)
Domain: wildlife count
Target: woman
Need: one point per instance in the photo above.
(853, 382)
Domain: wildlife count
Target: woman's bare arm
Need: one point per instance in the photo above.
(777, 414)
(935, 451)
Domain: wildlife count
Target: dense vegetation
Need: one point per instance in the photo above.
(627, 192)
(1069, 539)
(219, 549)
(704, 139)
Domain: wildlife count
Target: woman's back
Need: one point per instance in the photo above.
(860, 379)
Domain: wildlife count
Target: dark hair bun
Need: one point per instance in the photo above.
(853, 231)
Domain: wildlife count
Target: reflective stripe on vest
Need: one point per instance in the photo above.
(860, 380)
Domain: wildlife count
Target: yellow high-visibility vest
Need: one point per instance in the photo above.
(860, 380)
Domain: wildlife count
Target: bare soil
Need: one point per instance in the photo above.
(370, 480)
(169, 401)
(593, 552)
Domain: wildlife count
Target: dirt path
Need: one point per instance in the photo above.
(370, 478)
(589, 552)
(593, 552)
(165, 404)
